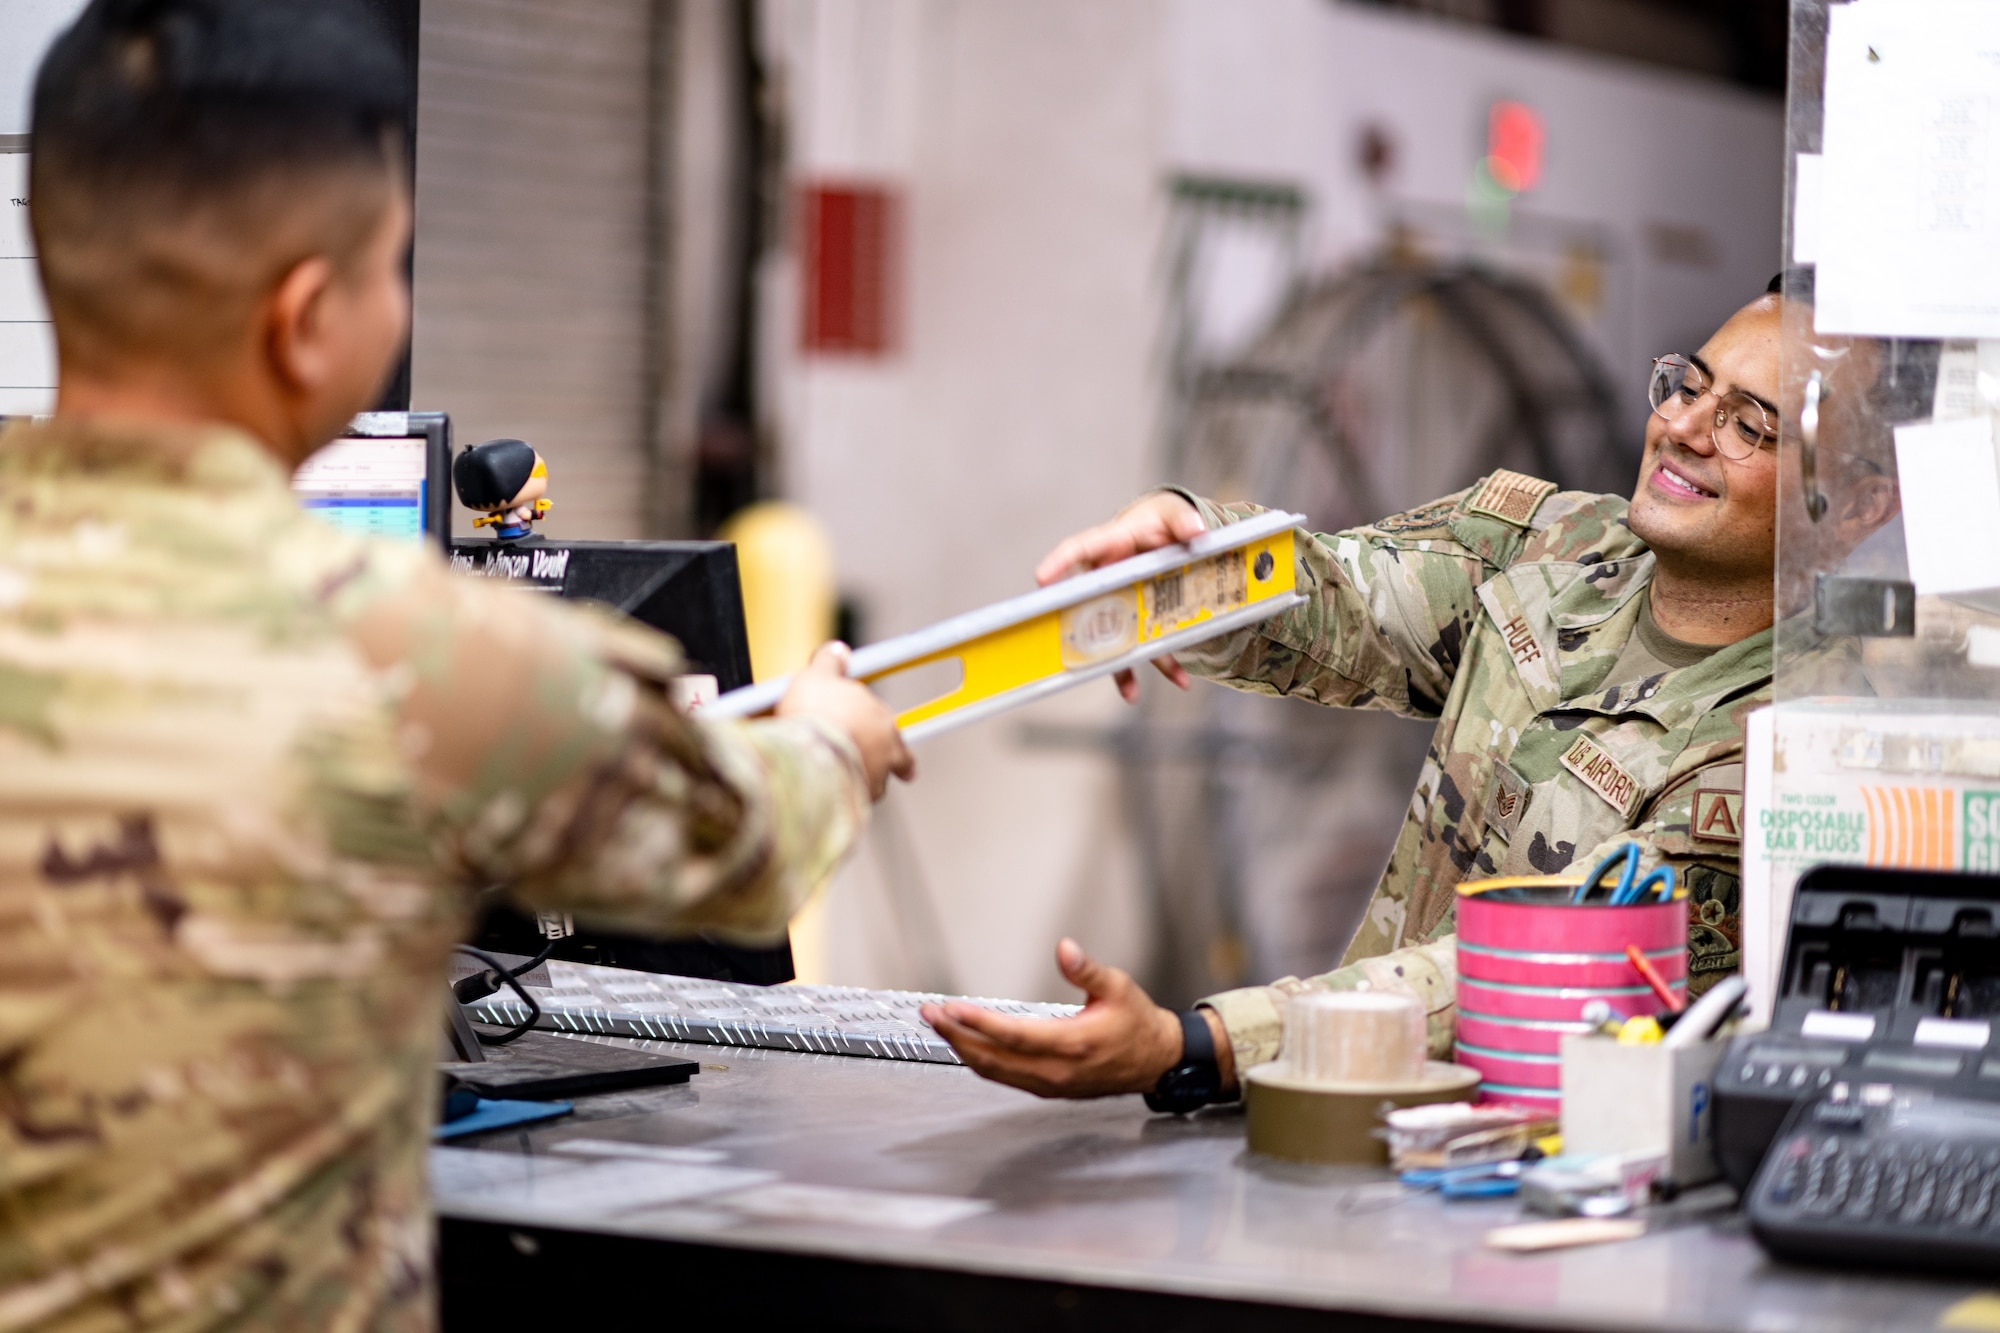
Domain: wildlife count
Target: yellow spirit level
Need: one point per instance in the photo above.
(1029, 647)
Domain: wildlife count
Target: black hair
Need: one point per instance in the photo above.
(1794, 284)
(183, 151)
(200, 96)
(489, 475)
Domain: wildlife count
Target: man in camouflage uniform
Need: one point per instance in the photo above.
(1589, 662)
(250, 766)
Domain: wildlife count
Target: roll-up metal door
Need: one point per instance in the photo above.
(536, 218)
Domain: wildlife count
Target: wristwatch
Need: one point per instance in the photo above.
(1197, 1079)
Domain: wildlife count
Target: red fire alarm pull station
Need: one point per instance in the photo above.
(852, 268)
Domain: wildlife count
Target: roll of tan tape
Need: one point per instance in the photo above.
(1313, 1122)
(1353, 1037)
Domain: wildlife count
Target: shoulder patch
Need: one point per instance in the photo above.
(1511, 497)
(1717, 813)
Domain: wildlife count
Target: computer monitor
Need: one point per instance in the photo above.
(690, 590)
(387, 477)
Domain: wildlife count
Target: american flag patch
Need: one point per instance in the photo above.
(1511, 497)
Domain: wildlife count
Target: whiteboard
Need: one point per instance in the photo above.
(26, 29)
(27, 343)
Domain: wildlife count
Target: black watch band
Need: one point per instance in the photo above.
(1197, 1079)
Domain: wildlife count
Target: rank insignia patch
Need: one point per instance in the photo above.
(1508, 802)
(1511, 497)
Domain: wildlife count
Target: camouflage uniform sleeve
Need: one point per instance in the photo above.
(547, 756)
(1699, 850)
(1387, 611)
(1254, 1015)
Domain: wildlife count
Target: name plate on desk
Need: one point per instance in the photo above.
(687, 589)
(543, 568)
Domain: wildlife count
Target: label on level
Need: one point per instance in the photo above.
(1210, 587)
(1099, 630)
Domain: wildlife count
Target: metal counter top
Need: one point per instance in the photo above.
(1101, 1195)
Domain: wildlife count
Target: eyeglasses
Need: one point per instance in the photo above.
(1740, 426)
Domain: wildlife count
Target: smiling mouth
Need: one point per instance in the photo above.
(1678, 484)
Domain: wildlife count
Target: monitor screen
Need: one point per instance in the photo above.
(385, 478)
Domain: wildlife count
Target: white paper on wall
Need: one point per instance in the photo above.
(27, 342)
(1950, 481)
(1968, 379)
(1909, 217)
(1807, 184)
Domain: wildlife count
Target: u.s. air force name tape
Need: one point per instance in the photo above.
(1029, 647)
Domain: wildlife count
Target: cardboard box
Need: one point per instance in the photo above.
(1879, 783)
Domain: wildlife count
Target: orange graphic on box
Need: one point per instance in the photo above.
(1914, 827)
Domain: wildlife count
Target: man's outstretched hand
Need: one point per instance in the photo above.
(1161, 519)
(823, 691)
(1121, 1042)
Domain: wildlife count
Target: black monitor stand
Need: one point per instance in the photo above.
(691, 591)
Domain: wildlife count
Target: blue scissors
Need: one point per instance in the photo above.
(1629, 887)
(1488, 1180)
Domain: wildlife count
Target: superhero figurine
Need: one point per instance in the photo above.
(508, 482)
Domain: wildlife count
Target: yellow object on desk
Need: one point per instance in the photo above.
(1979, 1311)
(1642, 1031)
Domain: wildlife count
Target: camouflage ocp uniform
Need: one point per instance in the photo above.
(248, 767)
(1501, 612)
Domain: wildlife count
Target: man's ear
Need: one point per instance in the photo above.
(1867, 503)
(296, 337)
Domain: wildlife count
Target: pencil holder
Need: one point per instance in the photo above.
(1642, 1099)
(1530, 959)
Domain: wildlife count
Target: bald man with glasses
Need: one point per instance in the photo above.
(1589, 661)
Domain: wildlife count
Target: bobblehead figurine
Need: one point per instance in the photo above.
(508, 482)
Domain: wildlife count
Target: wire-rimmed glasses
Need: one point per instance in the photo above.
(1740, 426)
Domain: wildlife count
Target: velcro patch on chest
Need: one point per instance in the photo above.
(1717, 815)
(1511, 497)
(1604, 775)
